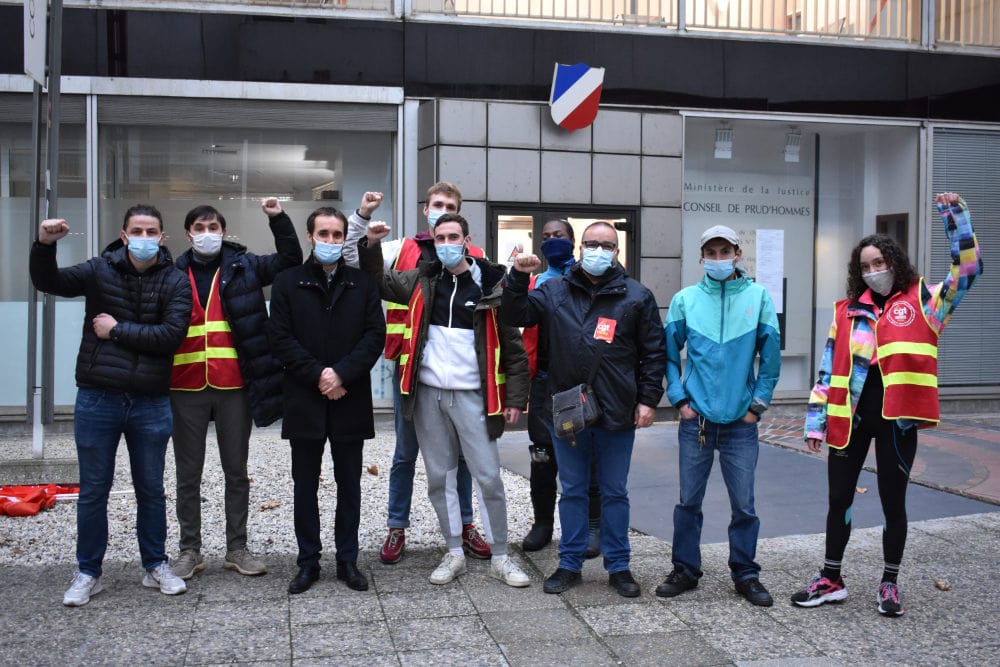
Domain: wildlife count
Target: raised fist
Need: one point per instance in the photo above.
(271, 206)
(377, 230)
(526, 263)
(369, 202)
(51, 231)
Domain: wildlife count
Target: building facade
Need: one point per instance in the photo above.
(803, 125)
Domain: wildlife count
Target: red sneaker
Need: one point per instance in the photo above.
(473, 543)
(393, 547)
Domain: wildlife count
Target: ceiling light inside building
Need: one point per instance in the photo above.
(724, 143)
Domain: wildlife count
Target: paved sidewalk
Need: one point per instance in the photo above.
(227, 618)
(403, 619)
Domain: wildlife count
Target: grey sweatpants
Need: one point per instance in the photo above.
(448, 421)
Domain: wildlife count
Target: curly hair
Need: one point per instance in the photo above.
(902, 271)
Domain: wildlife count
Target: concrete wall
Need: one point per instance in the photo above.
(513, 152)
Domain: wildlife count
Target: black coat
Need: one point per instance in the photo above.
(153, 310)
(631, 367)
(314, 326)
(242, 275)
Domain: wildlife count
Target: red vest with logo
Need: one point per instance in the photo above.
(395, 313)
(496, 378)
(906, 348)
(207, 357)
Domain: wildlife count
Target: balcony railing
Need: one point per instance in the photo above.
(956, 22)
(959, 23)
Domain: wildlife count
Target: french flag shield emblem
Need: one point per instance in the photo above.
(576, 92)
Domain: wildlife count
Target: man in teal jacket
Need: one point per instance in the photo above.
(727, 321)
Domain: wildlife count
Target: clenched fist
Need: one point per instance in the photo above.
(526, 263)
(271, 206)
(51, 231)
(369, 202)
(377, 231)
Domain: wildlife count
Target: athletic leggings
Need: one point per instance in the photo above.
(894, 453)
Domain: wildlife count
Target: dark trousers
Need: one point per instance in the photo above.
(895, 450)
(307, 458)
(544, 475)
(193, 410)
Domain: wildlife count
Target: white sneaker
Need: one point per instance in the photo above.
(163, 577)
(81, 589)
(507, 571)
(451, 566)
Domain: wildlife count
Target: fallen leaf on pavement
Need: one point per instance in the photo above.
(372, 470)
(270, 505)
(941, 585)
(861, 489)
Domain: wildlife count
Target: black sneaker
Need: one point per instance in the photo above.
(888, 600)
(561, 581)
(676, 583)
(537, 538)
(754, 592)
(624, 584)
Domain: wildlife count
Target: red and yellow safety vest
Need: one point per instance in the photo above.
(395, 313)
(906, 349)
(207, 357)
(529, 335)
(496, 378)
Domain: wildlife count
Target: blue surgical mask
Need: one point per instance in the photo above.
(558, 251)
(450, 254)
(433, 215)
(719, 269)
(596, 261)
(327, 253)
(143, 249)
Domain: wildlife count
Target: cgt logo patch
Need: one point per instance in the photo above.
(901, 314)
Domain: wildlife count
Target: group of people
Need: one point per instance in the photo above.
(170, 346)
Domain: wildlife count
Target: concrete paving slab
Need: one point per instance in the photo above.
(335, 640)
(427, 603)
(628, 619)
(439, 633)
(585, 652)
(667, 648)
(508, 627)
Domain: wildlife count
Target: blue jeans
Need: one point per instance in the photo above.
(614, 455)
(404, 461)
(738, 447)
(101, 418)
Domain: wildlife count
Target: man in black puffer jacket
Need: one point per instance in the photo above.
(603, 328)
(224, 371)
(137, 310)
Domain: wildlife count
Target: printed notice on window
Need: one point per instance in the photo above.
(771, 264)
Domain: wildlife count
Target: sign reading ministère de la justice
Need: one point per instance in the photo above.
(576, 94)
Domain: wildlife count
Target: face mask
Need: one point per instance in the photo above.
(596, 261)
(880, 282)
(207, 244)
(558, 252)
(719, 269)
(143, 249)
(432, 217)
(327, 253)
(450, 254)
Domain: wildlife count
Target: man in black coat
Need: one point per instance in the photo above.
(137, 311)
(224, 371)
(328, 330)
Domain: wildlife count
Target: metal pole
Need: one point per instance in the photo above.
(31, 385)
(52, 204)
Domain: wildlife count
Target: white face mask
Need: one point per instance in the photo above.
(207, 244)
(880, 282)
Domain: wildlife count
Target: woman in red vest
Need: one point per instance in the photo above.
(878, 379)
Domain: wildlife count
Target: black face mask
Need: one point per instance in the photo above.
(558, 252)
